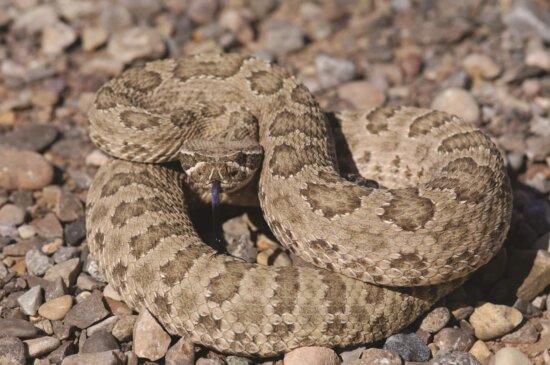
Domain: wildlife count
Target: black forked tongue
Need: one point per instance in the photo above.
(216, 223)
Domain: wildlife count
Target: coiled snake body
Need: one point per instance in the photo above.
(384, 255)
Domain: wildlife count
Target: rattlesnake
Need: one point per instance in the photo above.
(384, 255)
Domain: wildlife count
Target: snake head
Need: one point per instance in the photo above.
(232, 163)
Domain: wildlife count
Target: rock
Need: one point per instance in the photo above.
(136, 43)
(55, 289)
(69, 208)
(42, 345)
(379, 356)
(106, 325)
(183, 353)
(538, 58)
(86, 282)
(98, 358)
(33, 137)
(24, 170)
(436, 319)
(37, 263)
(361, 94)
(57, 355)
(202, 11)
(492, 320)
(480, 66)
(333, 71)
(538, 277)
(510, 356)
(528, 17)
(237, 234)
(87, 312)
(35, 19)
(67, 270)
(481, 352)
(458, 102)
(30, 301)
(99, 342)
(64, 253)
(206, 361)
(124, 327)
(11, 215)
(453, 339)
(26, 231)
(94, 37)
(17, 328)
(455, 358)
(150, 339)
(48, 227)
(56, 309)
(62, 331)
(12, 351)
(96, 158)
(75, 232)
(527, 333)
(312, 355)
(110, 292)
(409, 346)
(56, 37)
(281, 37)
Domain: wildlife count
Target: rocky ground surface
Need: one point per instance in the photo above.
(487, 61)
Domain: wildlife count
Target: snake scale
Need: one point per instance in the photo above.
(383, 255)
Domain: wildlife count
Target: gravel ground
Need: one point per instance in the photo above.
(487, 61)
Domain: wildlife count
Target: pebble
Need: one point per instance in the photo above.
(26, 231)
(202, 11)
(56, 309)
(98, 342)
(17, 328)
(35, 19)
(94, 37)
(69, 208)
(183, 353)
(98, 358)
(136, 43)
(436, 319)
(150, 339)
(52, 247)
(237, 234)
(42, 345)
(96, 158)
(57, 355)
(30, 301)
(55, 289)
(479, 66)
(110, 292)
(409, 346)
(510, 356)
(56, 37)
(312, 355)
(86, 282)
(37, 263)
(333, 71)
(538, 58)
(87, 312)
(33, 137)
(361, 94)
(492, 320)
(455, 358)
(11, 215)
(481, 352)
(48, 227)
(458, 102)
(124, 327)
(64, 253)
(538, 277)
(527, 17)
(453, 339)
(282, 37)
(12, 351)
(379, 356)
(68, 271)
(526, 333)
(106, 325)
(75, 232)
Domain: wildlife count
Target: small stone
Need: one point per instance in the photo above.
(11, 215)
(352, 354)
(96, 158)
(12, 351)
(17, 328)
(94, 37)
(75, 232)
(33, 137)
(282, 37)
(333, 71)
(69, 208)
(87, 312)
(136, 43)
(183, 353)
(480, 66)
(30, 301)
(379, 356)
(37, 263)
(510, 356)
(527, 333)
(205, 361)
(538, 277)
(55, 289)
(539, 58)
(492, 320)
(35, 19)
(86, 282)
(528, 17)
(409, 346)
(98, 358)
(48, 227)
(361, 94)
(26, 231)
(202, 11)
(64, 253)
(481, 352)
(92, 267)
(150, 339)
(453, 339)
(99, 342)
(110, 292)
(52, 247)
(42, 345)
(56, 37)
(436, 319)
(239, 242)
(455, 358)
(124, 328)
(67, 270)
(57, 308)
(312, 355)
(61, 330)
(57, 355)
(458, 102)
(106, 325)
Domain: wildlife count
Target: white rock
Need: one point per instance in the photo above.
(458, 102)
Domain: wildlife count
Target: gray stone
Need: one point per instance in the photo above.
(86, 282)
(236, 360)
(136, 43)
(35, 19)
(12, 351)
(34, 137)
(453, 339)
(75, 232)
(55, 289)
(527, 16)
(526, 333)
(87, 312)
(333, 71)
(42, 345)
(11, 215)
(98, 358)
(282, 37)
(17, 328)
(455, 358)
(37, 263)
(409, 346)
(57, 355)
(106, 325)
(68, 271)
(65, 253)
(98, 342)
(48, 226)
(30, 301)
